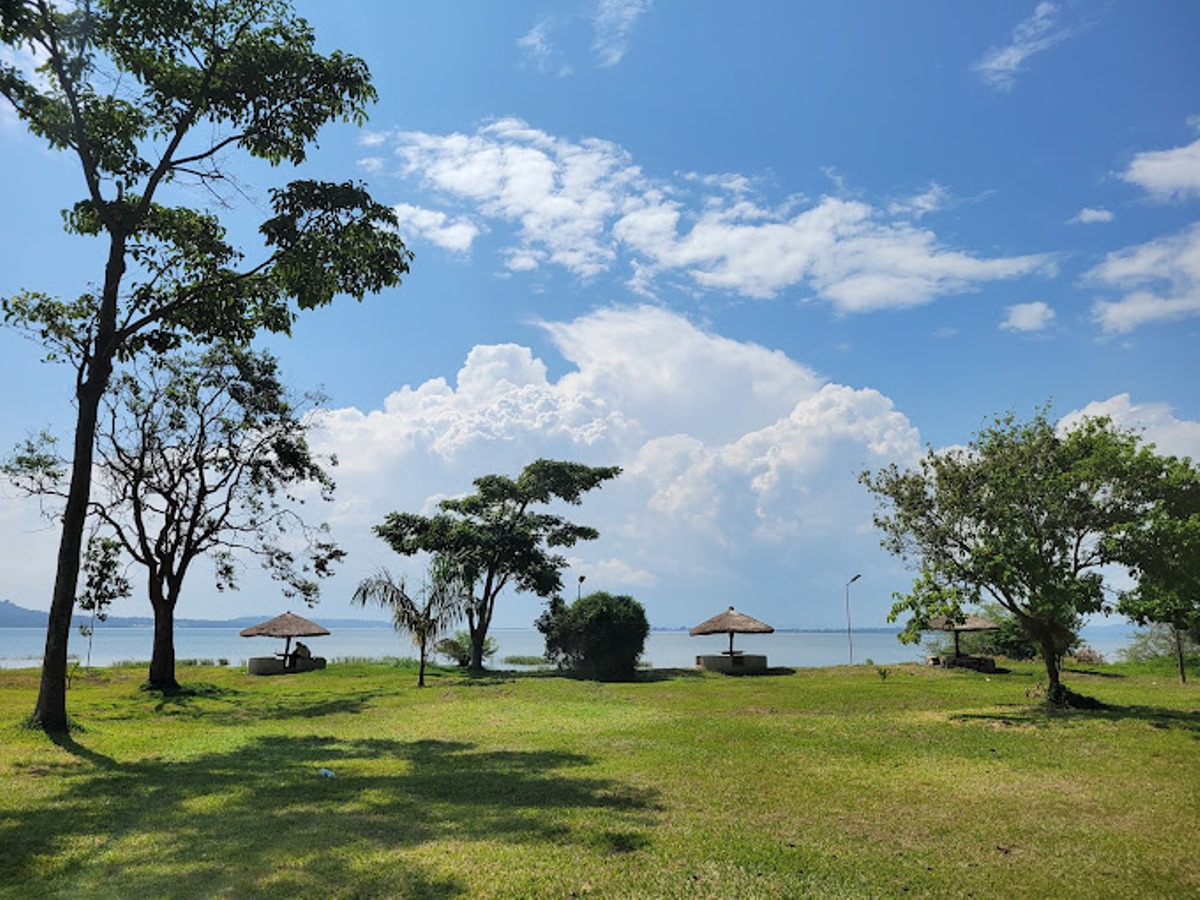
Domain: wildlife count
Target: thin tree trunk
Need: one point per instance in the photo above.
(1178, 635)
(421, 667)
(50, 712)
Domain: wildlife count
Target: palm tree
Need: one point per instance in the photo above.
(439, 605)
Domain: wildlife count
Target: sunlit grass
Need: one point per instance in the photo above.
(829, 782)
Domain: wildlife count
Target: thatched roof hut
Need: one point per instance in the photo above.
(288, 625)
(732, 622)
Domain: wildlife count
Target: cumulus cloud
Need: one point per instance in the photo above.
(1090, 216)
(1160, 278)
(1156, 422)
(1034, 316)
(731, 452)
(436, 227)
(1000, 65)
(1167, 174)
(586, 207)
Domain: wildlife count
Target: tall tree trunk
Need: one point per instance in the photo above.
(1177, 635)
(421, 666)
(162, 658)
(50, 713)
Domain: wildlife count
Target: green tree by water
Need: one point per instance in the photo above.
(498, 536)
(1164, 554)
(201, 454)
(153, 99)
(1025, 516)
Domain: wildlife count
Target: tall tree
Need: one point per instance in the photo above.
(1164, 554)
(1024, 516)
(150, 98)
(438, 605)
(202, 454)
(496, 538)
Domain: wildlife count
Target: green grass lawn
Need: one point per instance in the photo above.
(823, 782)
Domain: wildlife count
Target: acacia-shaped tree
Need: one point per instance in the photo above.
(153, 99)
(495, 537)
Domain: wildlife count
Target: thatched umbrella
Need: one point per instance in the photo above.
(733, 622)
(287, 626)
(970, 623)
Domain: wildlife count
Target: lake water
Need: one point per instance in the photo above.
(22, 647)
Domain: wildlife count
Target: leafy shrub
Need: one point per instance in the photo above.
(458, 648)
(599, 636)
(1088, 656)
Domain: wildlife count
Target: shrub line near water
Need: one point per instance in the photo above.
(840, 782)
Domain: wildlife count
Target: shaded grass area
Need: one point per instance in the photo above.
(827, 782)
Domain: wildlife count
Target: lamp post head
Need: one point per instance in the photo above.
(854, 579)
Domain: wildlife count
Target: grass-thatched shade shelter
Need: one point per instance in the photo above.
(733, 622)
(287, 626)
(970, 623)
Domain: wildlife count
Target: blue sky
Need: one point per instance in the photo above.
(743, 252)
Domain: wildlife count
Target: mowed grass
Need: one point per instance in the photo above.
(825, 782)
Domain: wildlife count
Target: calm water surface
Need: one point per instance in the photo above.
(22, 647)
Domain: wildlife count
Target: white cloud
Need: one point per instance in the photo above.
(1090, 216)
(1167, 174)
(435, 226)
(1034, 316)
(931, 200)
(26, 63)
(613, 22)
(731, 451)
(585, 206)
(1000, 65)
(1156, 422)
(538, 47)
(1161, 279)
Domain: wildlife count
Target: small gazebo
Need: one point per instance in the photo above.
(732, 622)
(970, 623)
(288, 626)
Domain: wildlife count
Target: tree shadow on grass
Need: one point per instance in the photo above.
(1044, 716)
(230, 706)
(1095, 673)
(264, 820)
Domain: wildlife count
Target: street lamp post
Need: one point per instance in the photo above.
(579, 589)
(849, 633)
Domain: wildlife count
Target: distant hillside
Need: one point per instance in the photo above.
(13, 616)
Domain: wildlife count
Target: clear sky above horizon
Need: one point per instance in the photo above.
(742, 251)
